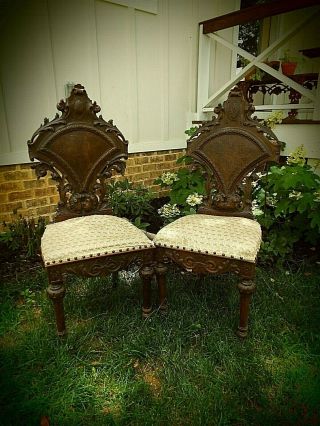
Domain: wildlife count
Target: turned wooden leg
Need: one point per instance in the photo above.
(161, 270)
(246, 288)
(56, 292)
(146, 273)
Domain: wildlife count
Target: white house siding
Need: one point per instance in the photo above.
(136, 58)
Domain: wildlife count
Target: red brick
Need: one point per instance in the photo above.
(156, 159)
(10, 186)
(54, 199)
(17, 175)
(10, 207)
(141, 160)
(20, 195)
(169, 157)
(26, 166)
(3, 198)
(44, 210)
(8, 168)
(148, 167)
(162, 166)
(133, 170)
(28, 184)
(36, 202)
(41, 192)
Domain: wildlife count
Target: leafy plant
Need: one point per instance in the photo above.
(191, 131)
(24, 235)
(274, 118)
(187, 187)
(130, 201)
(287, 205)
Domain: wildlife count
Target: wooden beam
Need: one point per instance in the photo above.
(254, 13)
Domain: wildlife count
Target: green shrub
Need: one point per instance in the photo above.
(287, 205)
(187, 187)
(129, 201)
(24, 236)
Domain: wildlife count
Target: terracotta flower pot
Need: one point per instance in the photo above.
(288, 68)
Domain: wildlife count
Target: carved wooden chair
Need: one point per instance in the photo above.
(222, 236)
(81, 151)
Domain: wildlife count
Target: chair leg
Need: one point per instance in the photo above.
(146, 273)
(246, 289)
(56, 292)
(161, 270)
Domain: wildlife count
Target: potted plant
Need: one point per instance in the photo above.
(288, 63)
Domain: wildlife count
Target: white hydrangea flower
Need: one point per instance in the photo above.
(168, 178)
(256, 211)
(194, 199)
(296, 195)
(297, 156)
(168, 211)
(272, 200)
(317, 196)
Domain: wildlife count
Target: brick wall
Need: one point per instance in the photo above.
(21, 193)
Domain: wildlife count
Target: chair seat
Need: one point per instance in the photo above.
(90, 236)
(230, 237)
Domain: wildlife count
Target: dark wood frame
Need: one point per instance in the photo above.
(254, 13)
(81, 151)
(253, 145)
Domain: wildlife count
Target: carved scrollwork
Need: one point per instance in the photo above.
(229, 148)
(201, 263)
(109, 126)
(105, 265)
(81, 151)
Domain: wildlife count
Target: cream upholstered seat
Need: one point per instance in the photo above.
(230, 237)
(89, 237)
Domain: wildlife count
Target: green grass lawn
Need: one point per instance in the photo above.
(184, 368)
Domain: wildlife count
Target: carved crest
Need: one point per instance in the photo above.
(81, 151)
(231, 147)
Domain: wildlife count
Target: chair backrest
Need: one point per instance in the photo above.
(232, 148)
(81, 151)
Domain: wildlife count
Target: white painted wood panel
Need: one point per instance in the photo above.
(26, 77)
(136, 58)
(72, 29)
